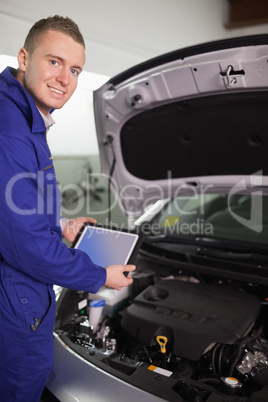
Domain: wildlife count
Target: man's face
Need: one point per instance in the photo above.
(50, 73)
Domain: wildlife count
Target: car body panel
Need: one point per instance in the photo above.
(75, 379)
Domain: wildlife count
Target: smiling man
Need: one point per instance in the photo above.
(32, 255)
(49, 72)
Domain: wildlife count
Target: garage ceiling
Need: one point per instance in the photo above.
(121, 33)
(137, 25)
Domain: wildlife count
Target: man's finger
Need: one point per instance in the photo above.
(129, 267)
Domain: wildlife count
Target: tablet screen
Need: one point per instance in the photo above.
(106, 246)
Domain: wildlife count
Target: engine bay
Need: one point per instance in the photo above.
(178, 334)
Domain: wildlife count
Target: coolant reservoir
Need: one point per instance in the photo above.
(231, 384)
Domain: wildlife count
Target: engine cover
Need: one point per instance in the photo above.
(193, 317)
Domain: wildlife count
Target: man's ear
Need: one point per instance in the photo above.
(22, 59)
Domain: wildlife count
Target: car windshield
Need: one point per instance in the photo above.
(236, 218)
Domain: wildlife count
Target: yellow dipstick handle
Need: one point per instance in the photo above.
(162, 340)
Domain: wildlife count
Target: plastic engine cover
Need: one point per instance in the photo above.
(192, 316)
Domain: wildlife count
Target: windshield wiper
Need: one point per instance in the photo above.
(209, 244)
(232, 255)
(198, 241)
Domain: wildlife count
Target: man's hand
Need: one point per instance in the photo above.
(73, 226)
(116, 278)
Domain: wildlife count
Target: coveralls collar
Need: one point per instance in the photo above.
(23, 100)
(48, 119)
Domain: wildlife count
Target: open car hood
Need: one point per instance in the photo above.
(195, 118)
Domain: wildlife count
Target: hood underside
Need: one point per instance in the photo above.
(194, 117)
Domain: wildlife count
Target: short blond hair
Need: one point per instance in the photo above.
(57, 23)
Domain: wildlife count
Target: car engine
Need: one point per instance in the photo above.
(178, 334)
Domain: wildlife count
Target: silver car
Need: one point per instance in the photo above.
(183, 140)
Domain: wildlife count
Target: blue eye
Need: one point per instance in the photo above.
(74, 72)
(53, 62)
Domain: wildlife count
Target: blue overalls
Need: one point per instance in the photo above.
(32, 254)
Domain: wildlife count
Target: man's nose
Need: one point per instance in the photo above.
(64, 77)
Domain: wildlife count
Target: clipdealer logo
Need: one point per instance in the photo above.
(251, 184)
(44, 200)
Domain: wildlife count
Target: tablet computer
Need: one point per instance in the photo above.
(107, 246)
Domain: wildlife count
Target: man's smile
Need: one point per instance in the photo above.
(56, 90)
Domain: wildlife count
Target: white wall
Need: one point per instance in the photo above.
(74, 132)
(118, 35)
(121, 33)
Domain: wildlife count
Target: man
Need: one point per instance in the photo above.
(32, 255)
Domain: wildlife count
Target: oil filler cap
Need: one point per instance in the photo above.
(162, 341)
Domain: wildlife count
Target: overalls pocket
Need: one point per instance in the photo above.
(37, 303)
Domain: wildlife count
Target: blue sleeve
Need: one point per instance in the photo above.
(30, 236)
